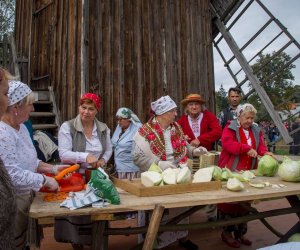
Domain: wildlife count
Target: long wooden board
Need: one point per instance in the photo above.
(135, 187)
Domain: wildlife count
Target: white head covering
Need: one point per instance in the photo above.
(17, 91)
(163, 105)
(128, 114)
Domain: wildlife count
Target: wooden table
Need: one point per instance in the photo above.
(45, 211)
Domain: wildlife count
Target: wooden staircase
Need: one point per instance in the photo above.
(45, 116)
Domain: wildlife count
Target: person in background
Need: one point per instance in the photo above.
(161, 141)
(20, 158)
(273, 134)
(242, 142)
(200, 126)
(296, 137)
(229, 113)
(202, 129)
(46, 145)
(7, 191)
(84, 140)
(122, 139)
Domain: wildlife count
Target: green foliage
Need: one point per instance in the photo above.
(7, 17)
(221, 99)
(276, 79)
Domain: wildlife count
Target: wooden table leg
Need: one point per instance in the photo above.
(153, 227)
(99, 240)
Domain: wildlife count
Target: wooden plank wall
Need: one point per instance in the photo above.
(136, 51)
(141, 50)
(48, 34)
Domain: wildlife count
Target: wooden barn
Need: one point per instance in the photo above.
(129, 52)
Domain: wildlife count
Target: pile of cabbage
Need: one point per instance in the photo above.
(156, 177)
(288, 170)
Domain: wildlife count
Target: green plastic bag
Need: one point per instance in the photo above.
(103, 187)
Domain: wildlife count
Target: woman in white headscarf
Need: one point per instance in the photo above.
(128, 125)
(162, 141)
(20, 158)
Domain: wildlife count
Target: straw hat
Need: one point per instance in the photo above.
(192, 98)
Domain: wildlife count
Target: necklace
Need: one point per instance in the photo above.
(153, 133)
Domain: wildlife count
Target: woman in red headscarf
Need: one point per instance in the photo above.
(84, 140)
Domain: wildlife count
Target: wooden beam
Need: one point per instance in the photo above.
(153, 227)
(252, 78)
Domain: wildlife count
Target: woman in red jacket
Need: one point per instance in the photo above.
(200, 126)
(242, 142)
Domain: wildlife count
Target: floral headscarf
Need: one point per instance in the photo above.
(128, 114)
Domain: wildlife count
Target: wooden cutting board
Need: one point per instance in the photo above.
(135, 187)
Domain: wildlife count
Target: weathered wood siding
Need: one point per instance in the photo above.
(134, 51)
(141, 50)
(48, 36)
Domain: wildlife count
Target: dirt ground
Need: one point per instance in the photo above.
(208, 239)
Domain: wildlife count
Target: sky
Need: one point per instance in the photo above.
(286, 11)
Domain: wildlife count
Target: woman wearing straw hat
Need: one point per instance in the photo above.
(200, 126)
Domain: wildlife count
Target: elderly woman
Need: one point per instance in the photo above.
(200, 126)
(84, 140)
(20, 158)
(242, 142)
(128, 125)
(7, 194)
(162, 141)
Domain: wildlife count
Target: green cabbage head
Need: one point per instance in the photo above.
(289, 170)
(267, 166)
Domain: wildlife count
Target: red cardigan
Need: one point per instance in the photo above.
(210, 132)
(232, 148)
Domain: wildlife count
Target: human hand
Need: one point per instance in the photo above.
(166, 164)
(199, 151)
(57, 168)
(50, 183)
(195, 143)
(99, 163)
(252, 153)
(271, 154)
(90, 159)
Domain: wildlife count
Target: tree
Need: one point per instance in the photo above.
(221, 99)
(7, 14)
(275, 79)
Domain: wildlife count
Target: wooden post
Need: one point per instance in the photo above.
(153, 227)
(99, 240)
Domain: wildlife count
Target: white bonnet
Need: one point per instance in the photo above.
(163, 105)
(17, 91)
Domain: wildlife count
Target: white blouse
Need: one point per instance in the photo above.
(93, 146)
(20, 158)
(195, 124)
